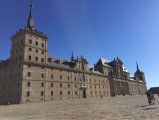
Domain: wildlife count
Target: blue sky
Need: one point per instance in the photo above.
(128, 29)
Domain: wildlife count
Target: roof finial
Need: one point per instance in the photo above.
(137, 66)
(72, 57)
(30, 22)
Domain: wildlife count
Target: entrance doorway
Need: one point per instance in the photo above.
(84, 93)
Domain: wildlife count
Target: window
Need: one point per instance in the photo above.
(28, 93)
(28, 84)
(36, 43)
(42, 93)
(18, 74)
(52, 93)
(83, 77)
(36, 58)
(17, 43)
(30, 49)
(20, 58)
(29, 57)
(75, 78)
(36, 51)
(30, 41)
(42, 45)
(68, 92)
(60, 92)
(75, 86)
(42, 52)
(42, 75)
(29, 66)
(42, 84)
(52, 76)
(60, 77)
(52, 84)
(29, 74)
(68, 85)
(42, 59)
(68, 77)
(17, 94)
(18, 85)
(75, 92)
(21, 41)
(60, 84)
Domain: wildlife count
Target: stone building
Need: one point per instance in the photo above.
(31, 74)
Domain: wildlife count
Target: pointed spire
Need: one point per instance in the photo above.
(117, 58)
(81, 56)
(72, 57)
(30, 22)
(137, 66)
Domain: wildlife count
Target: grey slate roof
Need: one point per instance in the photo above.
(4, 63)
(58, 62)
(106, 63)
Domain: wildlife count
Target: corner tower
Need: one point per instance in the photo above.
(29, 50)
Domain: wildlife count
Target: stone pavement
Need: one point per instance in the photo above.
(108, 108)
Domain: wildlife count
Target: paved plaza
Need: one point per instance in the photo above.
(108, 108)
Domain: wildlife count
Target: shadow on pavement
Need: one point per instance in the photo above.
(144, 105)
(149, 108)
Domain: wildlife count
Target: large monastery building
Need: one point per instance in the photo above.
(31, 74)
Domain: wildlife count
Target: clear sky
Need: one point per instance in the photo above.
(128, 29)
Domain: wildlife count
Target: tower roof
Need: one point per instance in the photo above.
(30, 22)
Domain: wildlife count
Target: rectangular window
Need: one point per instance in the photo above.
(42, 75)
(68, 85)
(60, 77)
(28, 84)
(29, 74)
(28, 93)
(36, 43)
(52, 84)
(42, 84)
(60, 84)
(18, 74)
(75, 78)
(42, 52)
(42, 45)
(52, 93)
(36, 58)
(36, 51)
(42, 93)
(68, 92)
(75, 92)
(52, 76)
(30, 49)
(18, 85)
(60, 92)
(75, 86)
(42, 59)
(68, 78)
(30, 41)
(29, 57)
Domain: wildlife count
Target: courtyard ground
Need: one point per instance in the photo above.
(108, 108)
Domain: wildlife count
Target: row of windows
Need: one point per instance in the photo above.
(16, 59)
(17, 51)
(36, 58)
(51, 93)
(37, 51)
(52, 76)
(68, 93)
(36, 43)
(68, 85)
(18, 43)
